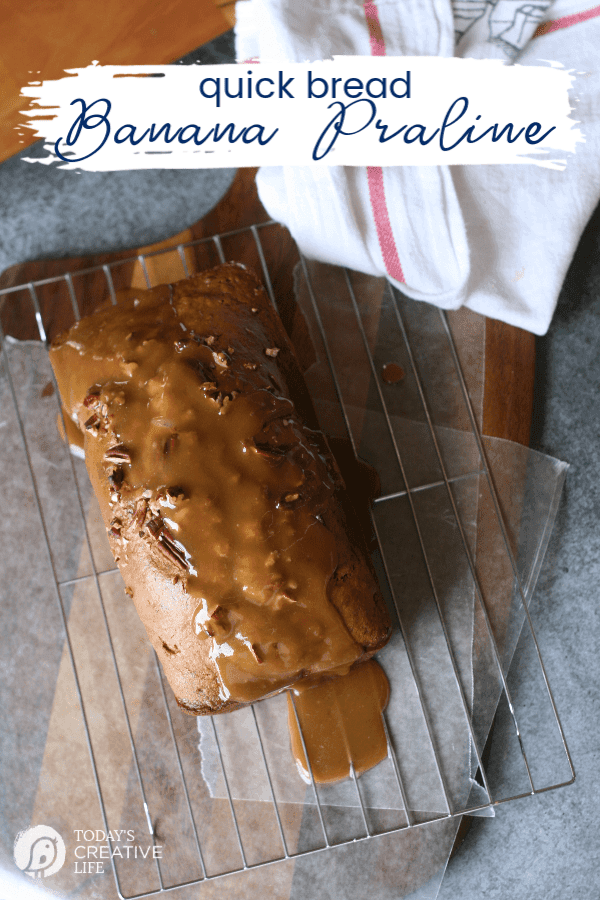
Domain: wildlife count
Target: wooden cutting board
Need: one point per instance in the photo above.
(39, 40)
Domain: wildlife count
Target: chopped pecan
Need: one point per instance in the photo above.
(116, 477)
(288, 501)
(117, 454)
(155, 526)
(272, 351)
(171, 552)
(227, 398)
(170, 444)
(221, 359)
(221, 398)
(139, 513)
(92, 399)
(166, 534)
(93, 423)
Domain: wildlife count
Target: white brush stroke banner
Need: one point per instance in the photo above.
(382, 111)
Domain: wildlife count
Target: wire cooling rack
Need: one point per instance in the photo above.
(238, 809)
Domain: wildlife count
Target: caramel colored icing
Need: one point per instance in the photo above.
(341, 722)
(220, 504)
(70, 433)
(392, 373)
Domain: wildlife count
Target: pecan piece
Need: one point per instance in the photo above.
(116, 478)
(92, 399)
(170, 444)
(155, 526)
(166, 534)
(221, 398)
(288, 501)
(228, 398)
(139, 514)
(175, 494)
(221, 359)
(171, 552)
(117, 454)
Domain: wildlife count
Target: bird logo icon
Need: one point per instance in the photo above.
(39, 851)
(42, 854)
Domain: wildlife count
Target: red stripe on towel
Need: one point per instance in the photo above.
(375, 34)
(567, 21)
(382, 221)
(385, 235)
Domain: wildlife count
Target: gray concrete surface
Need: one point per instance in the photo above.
(540, 848)
(547, 847)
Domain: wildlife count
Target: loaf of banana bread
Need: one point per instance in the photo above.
(224, 507)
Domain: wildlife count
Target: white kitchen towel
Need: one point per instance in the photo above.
(497, 239)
